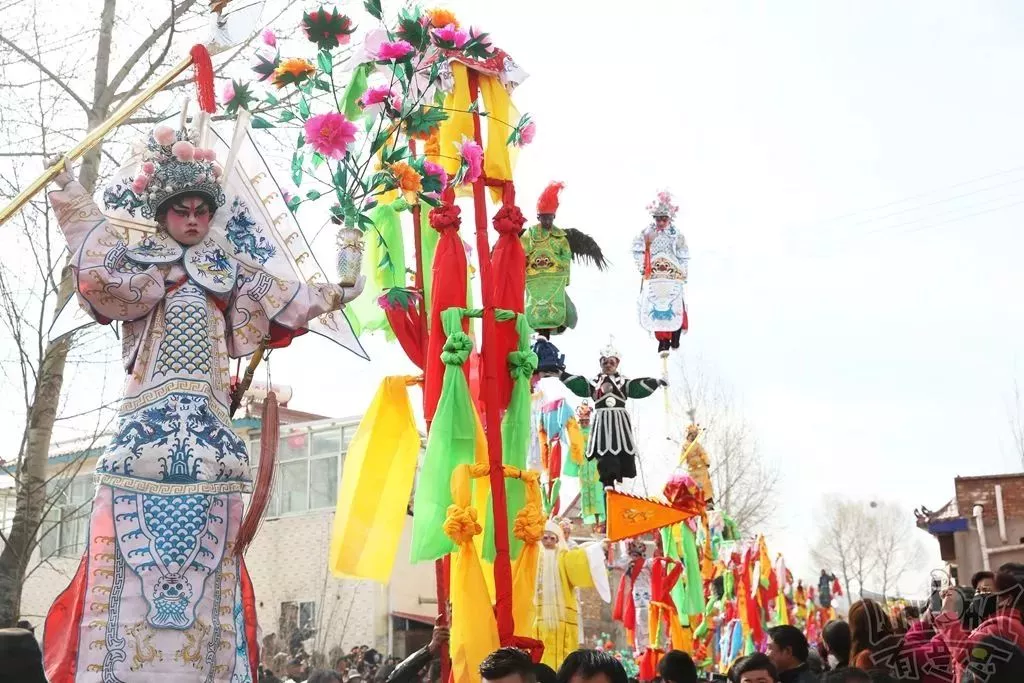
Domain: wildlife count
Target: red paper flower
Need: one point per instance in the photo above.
(327, 29)
(509, 220)
(444, 217)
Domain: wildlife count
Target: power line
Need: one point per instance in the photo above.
(928, 193)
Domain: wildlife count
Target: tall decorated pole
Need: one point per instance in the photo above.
(423, 80)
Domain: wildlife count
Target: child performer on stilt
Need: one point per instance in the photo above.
(161, 581)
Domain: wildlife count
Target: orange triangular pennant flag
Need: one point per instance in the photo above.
(630, 516)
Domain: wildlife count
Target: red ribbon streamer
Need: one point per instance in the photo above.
(508, 268)
(448, 290)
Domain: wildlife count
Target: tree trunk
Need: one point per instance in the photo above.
(31, 496)
(31, 475)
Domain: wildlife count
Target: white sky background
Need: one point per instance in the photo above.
(874, 353)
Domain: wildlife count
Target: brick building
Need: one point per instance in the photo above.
(981, 527)
(288, 559)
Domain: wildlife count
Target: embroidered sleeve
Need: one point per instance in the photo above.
(683, 254)
(639, 250)
(577, 384)
(109, 286)
(260, 300)
(641, 387)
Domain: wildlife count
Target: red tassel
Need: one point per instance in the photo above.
(204, 78)
(265, 479)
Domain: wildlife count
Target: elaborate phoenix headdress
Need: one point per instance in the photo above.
(173, 166)
(663, 205)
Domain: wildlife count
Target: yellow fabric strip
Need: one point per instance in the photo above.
(459, 123)
(474, 633)
(375, 486)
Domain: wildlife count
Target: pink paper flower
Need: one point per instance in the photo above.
(376, 95)
(473, 158)
(148, 167)
(140, 184)
(451, 35)
(394, 50)
(183, 150)
(164, 135)
(526, 133)
(269, 38)
(366, 50)
(218, 170)
(227, 92)
(477, 34)
(330, 134)
(430, 168)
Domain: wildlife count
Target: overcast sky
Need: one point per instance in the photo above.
(852, 183)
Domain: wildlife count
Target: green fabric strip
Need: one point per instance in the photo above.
(451, 442)
(384, 267)
(515, 435)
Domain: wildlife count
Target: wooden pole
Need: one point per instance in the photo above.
(441, 566)
(492, 365)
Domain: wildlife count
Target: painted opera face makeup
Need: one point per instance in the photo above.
(661, 222)
(188, 220)
(547, 220)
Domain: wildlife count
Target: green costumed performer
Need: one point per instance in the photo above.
(591, 490)
(550, 251)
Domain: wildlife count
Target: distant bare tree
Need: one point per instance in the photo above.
(866, 543)
(836, 547)
(897, 549)
(744, 485)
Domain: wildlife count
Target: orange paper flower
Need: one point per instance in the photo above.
(439, 18)
(432, 148)
(292, 72)
(406, 177)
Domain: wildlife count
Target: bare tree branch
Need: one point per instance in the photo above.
(167, 25)
(57, 80)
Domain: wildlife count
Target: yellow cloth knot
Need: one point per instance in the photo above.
(521, 364)
(461, 525)
(456, 348)
(529, 524)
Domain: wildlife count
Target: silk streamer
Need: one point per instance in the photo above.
(375, 485)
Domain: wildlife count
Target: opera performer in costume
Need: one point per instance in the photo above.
(662, 256)
(697, 463)
(592, 505)
(633, 603)
(560, 572)
(612, 442)
(550, 251)
(161, 594)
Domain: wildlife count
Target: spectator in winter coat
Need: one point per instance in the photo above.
(874, 645)
(409, 670)
(836, 637)
(1007, 622)
(788, 651)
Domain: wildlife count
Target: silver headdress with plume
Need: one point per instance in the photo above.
(609, 350)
